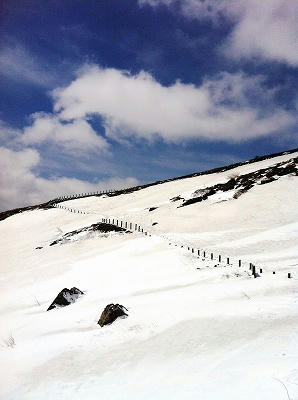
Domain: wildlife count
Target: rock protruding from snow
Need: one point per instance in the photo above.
(241, 184)
(101, 227)
(66, 297)
(111, 313)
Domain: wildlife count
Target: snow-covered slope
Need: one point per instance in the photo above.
(193, 331)
(260, 225)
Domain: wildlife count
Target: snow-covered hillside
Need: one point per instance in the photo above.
(194, 331)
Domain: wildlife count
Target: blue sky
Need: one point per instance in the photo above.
(103, 94)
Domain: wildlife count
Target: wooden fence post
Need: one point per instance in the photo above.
(253, 269)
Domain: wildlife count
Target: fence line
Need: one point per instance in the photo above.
(204, 254)
(87, 194)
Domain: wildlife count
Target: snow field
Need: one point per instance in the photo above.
(208, 333)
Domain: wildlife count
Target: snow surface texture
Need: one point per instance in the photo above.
(193, 331)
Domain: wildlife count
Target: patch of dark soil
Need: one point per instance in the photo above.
(111, 313)
(243, 183)
(65, 298)
(98, 227)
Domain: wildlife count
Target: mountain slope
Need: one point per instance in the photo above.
(240, 226)
(194, 330)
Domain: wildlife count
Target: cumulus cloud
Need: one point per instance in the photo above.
(75, 135)
(20, 184)
(7, 133)
(222, 108)
(266, 29)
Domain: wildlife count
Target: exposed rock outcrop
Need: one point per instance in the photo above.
(243, 183)
(111, 313)
(66, 297)
(100, 227)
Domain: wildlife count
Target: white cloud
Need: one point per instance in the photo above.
(7, 133)
(267, 29)
(74, 135)
(18, 64)
(137, 105)
(20, 184)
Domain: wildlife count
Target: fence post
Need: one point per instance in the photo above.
(228, 261)
(211, 256)
(199, 253)
(289, 275)
(219, 258)
(253, 268)
(239, 262)
(204, 254)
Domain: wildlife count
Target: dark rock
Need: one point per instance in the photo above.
(154, 223)
(152, 208)
(111, 313)
(243, 183)
(37, 248)
(176, 198)
(229, 185)
(66, 297)
(101, 227)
